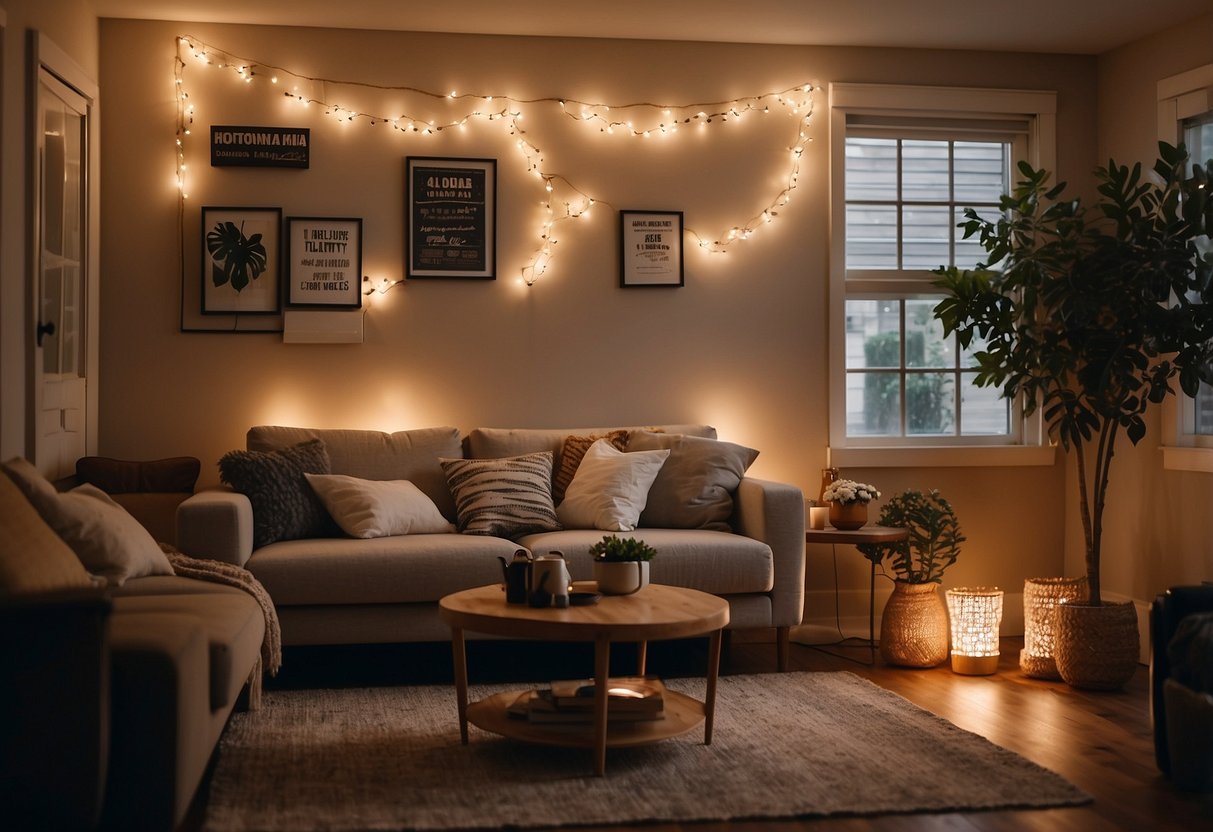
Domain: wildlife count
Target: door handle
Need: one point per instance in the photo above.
(47, 328)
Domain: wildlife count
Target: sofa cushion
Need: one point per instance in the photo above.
(721, 563)
(694, 489)
(378, 508)
(32, 557)
(610, 489)
(383, 570)
(284, 506)
(572, 451)
(374, 455)
(503, 497)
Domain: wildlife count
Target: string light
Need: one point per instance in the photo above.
(563, 202)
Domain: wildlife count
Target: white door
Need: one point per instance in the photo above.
(60, 360)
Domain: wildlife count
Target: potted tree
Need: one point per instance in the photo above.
(1089, 314)
(621, 565)
(914, 625)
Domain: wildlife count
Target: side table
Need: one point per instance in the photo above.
(867, 534)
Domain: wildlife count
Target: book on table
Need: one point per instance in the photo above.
(629, 699)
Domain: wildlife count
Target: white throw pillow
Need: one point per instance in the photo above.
(610, 488)
(107, 539)
(378, 508)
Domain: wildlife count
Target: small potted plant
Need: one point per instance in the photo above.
(914, 626)
(621, 565)
(848, 501)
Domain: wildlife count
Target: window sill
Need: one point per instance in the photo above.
(1187, 459)
(972, 456)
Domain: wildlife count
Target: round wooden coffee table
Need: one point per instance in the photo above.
(655, 612)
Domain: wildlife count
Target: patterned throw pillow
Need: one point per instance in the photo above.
(506, 497)
(284, 506)
(573, 451)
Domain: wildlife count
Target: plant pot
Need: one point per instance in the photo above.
(621, 577)
(1096, 648)
(914, 626)
(848, 516)
(1041, 597)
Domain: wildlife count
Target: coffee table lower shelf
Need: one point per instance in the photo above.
(682, 715)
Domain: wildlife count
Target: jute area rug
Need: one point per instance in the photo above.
(785, 745)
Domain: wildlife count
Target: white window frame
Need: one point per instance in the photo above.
(1039, 108)
(1182, 97)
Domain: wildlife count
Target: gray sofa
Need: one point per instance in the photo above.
(333, 590)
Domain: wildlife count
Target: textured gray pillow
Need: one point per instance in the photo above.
(284, 506)
(694, 489)
(506, 497)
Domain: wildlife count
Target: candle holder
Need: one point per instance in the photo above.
(976, 613)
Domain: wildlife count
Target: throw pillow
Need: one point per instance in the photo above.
(32, 557)
(694, 489)
(571, 453)
(284, 506)
(378, 508)
(610, 488)
(107, 540)
(506, 497)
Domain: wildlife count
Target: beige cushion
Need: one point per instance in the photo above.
(571, 453)
(105, 537)
(378, 508)
(503, 497)
(694, 489)
(610, 489)
(32, 557)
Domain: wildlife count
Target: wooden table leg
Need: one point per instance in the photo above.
(709, 702)
(602, 667)
(459, 654)
(642, 655)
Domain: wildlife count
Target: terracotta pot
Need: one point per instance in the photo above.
(848, 516)
(1096, 648)
(914, 626)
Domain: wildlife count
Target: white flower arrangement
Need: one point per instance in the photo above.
(849, 491)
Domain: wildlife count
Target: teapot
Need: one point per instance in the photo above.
(550, 581)
(517, 576)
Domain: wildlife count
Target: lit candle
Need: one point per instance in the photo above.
(818, 516)
(828, 456)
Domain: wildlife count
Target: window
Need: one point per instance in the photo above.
(906, 163)
(1198, 412)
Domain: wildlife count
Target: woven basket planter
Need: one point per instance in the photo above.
(1040, 598)
(914, 626)
(1096, 647)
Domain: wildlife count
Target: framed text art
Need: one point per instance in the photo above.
(324, 262)
(650, 248)
(240, 260)
(451, 218)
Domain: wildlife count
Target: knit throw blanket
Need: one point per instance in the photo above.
(229, 574)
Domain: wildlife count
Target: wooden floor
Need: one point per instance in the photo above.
(1101, 742)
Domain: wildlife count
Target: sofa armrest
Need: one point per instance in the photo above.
(217, 524)
(773, 512)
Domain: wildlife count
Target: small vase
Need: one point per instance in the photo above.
(621, 577)
(1096, 648)
(848, 516)
(914, 626)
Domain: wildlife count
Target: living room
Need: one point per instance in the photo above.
(746, 343)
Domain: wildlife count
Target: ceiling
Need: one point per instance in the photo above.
(1065, 26)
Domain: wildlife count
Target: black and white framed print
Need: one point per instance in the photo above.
(240, 260)
(451, 218)
(650, 248)
(324, 262)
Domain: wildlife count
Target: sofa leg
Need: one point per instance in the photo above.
(782, 640)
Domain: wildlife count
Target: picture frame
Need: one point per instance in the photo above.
(450, 217)
(241, 261)
(650, 249)
(324, 257)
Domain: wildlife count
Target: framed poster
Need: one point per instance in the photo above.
(240, 260)
(451, 218)
(324, 262)
(650, 248)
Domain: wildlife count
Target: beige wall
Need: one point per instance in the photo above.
(1158, 523)
(73, 27)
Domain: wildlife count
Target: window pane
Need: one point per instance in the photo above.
(930, 403)
(871, 169)
(925, 344)
(1204, 410)
(926, 233)
(979, 171)
(873, 334)
(871, 237)
(873, 404)
(924, 171)
(983, 410)
(967, 358)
